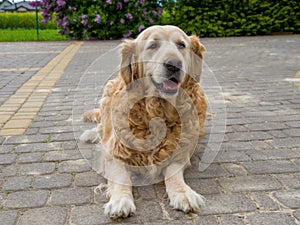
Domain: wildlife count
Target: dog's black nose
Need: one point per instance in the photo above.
(173, 64)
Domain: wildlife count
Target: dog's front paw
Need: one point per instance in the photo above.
(119, 207)
(90, 136)
(186, 201)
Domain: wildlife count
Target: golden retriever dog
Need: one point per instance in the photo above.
(149, 118)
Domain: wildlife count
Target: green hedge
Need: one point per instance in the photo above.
(24, 20)
(219, 18)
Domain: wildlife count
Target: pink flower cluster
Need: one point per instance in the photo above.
(100, 19)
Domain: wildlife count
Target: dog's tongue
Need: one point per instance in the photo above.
(170, 85)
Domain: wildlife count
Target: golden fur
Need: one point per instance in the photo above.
(114, 113)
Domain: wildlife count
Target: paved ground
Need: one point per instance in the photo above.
(255, 179)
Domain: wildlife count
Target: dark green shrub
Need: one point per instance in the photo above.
(217, 18)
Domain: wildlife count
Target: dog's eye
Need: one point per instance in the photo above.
(153, 45)
(180, 45)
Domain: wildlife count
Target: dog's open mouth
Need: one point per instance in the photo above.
(168, 86)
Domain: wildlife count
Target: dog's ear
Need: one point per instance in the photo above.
(197, 50)
(196, 46)
(128, 64)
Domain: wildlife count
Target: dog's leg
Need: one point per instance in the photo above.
(121, 202)
(119, 192)
(181, 196)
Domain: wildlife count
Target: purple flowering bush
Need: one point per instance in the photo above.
(101, 19)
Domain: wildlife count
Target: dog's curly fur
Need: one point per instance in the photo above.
(114, 114)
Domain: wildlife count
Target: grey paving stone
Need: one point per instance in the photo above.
(261, 145)
(283, 153)
(90, 214)
(62, 155)
(290, 142)
(7, 148)
(235, 169)
(145, 214)
(26, 199)
(146, 192)
(229, 203)
(2, 199)
(31, 131)
(237, 128)
(271, 218)
(214, 170)
(7, 159)
(248, 136)
(28, 139)
(17, 183)
(270, 166)
(53, 181)
(232, 156)
(63, 137)
(292, 132)
(237, 145)
(80, 165)
(29, 157)
(43, 216)
(9, 217)
(10, 170)
(249, 183)
(87, 179)
(289, 180)
(277, 134)
(206, 220)
(264, 201)
(266, 126)
(232, 220)
(289, 198)
(297, 161)
(71, 196)
(173, 222)
(293, 124)
(37, 168)
(56, 129)
(297, 214)
(69, 145)
(204, 186)
(37, 147)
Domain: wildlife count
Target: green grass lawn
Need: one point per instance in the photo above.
(30, 35)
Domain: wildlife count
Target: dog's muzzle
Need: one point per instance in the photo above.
(171, 83)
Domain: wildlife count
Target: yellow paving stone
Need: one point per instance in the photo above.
(36, 104)
(17, 124)
(5, 113)
(36, 99)
(12, 132)
(4, 118)
(26, 110)
(16, 100)
(26, 115)
(9, 108)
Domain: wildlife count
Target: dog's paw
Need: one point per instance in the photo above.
(187, 201)
(90, 136)
(119, 207)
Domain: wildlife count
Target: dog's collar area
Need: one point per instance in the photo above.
(168, 86)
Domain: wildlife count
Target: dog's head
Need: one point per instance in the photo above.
(165, 56)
